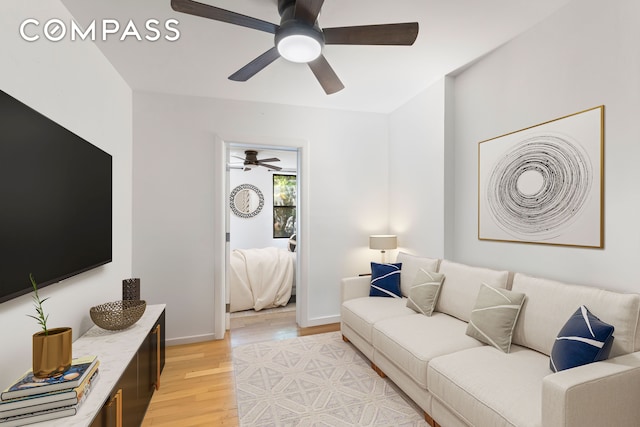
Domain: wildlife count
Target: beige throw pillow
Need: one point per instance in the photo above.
(424, 291)
(410, 266)
(494, 316)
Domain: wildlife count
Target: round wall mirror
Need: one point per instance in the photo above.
(246, 201)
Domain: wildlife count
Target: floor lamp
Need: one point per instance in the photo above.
(382, 242)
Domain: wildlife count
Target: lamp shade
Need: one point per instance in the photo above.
(383, 241)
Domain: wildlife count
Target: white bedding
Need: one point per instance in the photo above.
(260, 278)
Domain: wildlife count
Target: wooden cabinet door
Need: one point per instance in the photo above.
(128, 383)
(130, 398)
(147, 369)
(111, 413)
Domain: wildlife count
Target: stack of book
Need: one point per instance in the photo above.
(30, 400)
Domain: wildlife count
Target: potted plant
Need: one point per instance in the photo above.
(51, 346)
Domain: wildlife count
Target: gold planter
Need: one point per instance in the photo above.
(52, 352)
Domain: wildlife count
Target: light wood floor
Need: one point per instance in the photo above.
(197, 387)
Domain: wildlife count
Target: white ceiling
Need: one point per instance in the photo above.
(377, 78)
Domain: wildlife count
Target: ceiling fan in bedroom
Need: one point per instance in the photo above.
(299, 38)
(251, 159)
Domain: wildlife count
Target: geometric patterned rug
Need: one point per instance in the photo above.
(315, 380)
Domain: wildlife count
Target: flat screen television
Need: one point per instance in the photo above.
(55, 201)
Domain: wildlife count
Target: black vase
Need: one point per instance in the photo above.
(131, 290)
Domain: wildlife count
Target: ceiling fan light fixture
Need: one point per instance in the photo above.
(299, 42)
(299, 48)
(299, 37)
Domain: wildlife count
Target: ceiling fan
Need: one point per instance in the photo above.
(298, 38)
(251, 159)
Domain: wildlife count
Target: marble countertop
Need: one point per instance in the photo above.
(115, 349)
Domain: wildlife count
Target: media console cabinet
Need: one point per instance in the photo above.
(131, 362)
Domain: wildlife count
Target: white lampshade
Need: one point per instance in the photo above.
(383, 241)
(299, 48)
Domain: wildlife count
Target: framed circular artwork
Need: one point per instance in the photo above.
(246, 201)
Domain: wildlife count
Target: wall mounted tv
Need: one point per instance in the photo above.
(55, 201)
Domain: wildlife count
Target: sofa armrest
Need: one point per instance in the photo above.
(598, 394)
(355, 287)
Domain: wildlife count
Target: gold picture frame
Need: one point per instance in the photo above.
(545, 184)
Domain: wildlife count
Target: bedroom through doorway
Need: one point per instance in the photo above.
(262, 229)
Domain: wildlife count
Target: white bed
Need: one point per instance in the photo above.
(261, 278)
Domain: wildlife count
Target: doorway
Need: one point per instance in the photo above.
(262, 228)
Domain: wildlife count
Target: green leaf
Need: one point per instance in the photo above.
(42, 319)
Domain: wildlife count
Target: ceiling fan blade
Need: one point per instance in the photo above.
(308, 10)
(404, 34)
(275, 168)
(271, 159)
(207, 11)
(253, 67)
(326, 76)
(237, 157)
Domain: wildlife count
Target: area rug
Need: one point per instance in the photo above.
(317, 380)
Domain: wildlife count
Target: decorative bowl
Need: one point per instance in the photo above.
(117, 315)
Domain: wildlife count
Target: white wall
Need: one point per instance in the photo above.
(257, 231)
(583, 56)
(74, 85)
(417, 174)
(175, 205)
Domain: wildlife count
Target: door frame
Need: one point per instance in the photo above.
(221, 224)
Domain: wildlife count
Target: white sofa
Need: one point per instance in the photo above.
(459, 381)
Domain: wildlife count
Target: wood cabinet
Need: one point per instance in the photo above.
(130, 397)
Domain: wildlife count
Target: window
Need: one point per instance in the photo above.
(284, 205)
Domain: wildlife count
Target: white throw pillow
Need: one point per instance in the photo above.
(410, 266)
(459, 293)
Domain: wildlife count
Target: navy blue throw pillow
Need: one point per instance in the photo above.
(583, 339)
(385, 280)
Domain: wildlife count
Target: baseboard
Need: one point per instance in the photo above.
(190, 340)
(317, 321)
(326, 320)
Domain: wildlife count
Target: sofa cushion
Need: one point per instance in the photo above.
(385, 280)
(410, 266)
(549, 304)
(361, 313)
(583, 339)
(461, 286)
(494, 316)
(424, 291)
(487, 387)
(410, 342)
